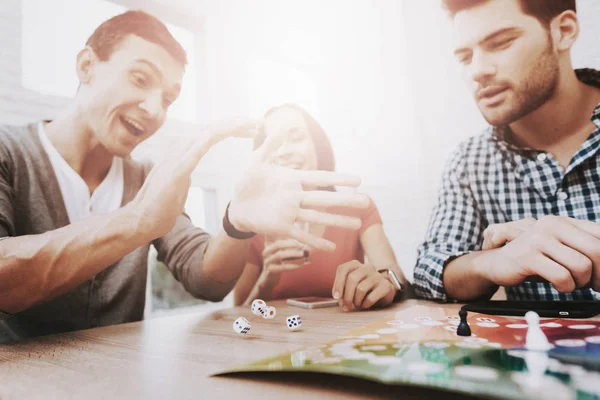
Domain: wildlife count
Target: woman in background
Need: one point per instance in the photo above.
(280, 268)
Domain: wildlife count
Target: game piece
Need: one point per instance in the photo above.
(537, 363)
(241, 325)
(294, 322)
(463, 328)
(536, 338)
(270, 312)
(258, 307)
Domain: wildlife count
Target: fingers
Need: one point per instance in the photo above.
(313, 241)
(284, 267)
(383, 289)
(200, 147)
(247, 129)
(577, 264)
(593, 228)
(281, 245)
(496, 235)
(320, 198)
(318, 217)
(197, 150)
(325, 178)
(281, 256)
(353, 279)
(339, 284)
(556, 274)
(365, 287)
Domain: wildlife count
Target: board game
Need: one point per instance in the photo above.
(419, 346)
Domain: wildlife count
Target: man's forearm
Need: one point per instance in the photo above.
(225, 258)
(37, 268)
(465, 277)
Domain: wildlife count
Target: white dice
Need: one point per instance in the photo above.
(241, 326)
(270, 312)
(258, 307)
(294, 322)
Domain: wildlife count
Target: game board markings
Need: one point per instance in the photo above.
(408, 326)
(369, 336)
(517, 326)
(476, 372)
(436, 345)
(570, 342)
(432, 323)
(385, 360)
(582, 327)
(395, 322)
(487, 324)
(387, 331)
(551, 325)
(425, 367)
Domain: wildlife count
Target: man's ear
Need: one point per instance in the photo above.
(565, 30)
(86, 60)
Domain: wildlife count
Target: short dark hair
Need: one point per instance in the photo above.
(111, 33)
(323, 148)
(543, 10)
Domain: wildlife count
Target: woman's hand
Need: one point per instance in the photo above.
(361, 286)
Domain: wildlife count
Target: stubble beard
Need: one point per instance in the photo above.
(533, 92)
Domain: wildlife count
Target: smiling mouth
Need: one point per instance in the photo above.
(134, 127)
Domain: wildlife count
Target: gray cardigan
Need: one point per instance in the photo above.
(31, 203)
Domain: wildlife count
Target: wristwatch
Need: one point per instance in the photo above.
(230, 229)
(391, 275)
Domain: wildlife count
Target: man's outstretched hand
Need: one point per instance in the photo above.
(269, 199)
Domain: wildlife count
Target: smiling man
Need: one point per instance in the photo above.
(77, 214)
(521, 200)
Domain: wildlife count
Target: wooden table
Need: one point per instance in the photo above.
(173, 358)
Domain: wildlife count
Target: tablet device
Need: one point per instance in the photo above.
(555, 309)
(313, 302)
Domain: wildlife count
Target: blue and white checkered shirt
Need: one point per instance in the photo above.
(491, 181)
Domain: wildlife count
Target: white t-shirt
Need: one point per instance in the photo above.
(79, 204)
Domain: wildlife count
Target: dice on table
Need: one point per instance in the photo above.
(270, 312)
(258, 307)
(241, 325)
(294, 322)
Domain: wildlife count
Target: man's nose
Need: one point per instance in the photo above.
(153, 105)
(481, 68)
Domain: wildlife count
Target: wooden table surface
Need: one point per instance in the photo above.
(173, 357)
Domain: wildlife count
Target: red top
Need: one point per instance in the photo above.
(316, 278)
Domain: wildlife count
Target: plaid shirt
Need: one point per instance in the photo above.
(490, 181)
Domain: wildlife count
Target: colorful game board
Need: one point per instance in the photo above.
(419, 346)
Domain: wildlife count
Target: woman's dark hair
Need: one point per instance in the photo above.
(323, 149)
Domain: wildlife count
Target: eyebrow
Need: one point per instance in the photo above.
(154, 68)
(489, 37)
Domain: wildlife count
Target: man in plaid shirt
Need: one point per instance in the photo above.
(518, 205)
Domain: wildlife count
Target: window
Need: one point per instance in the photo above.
(272, 83)
(201, 207)
(166, 293)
